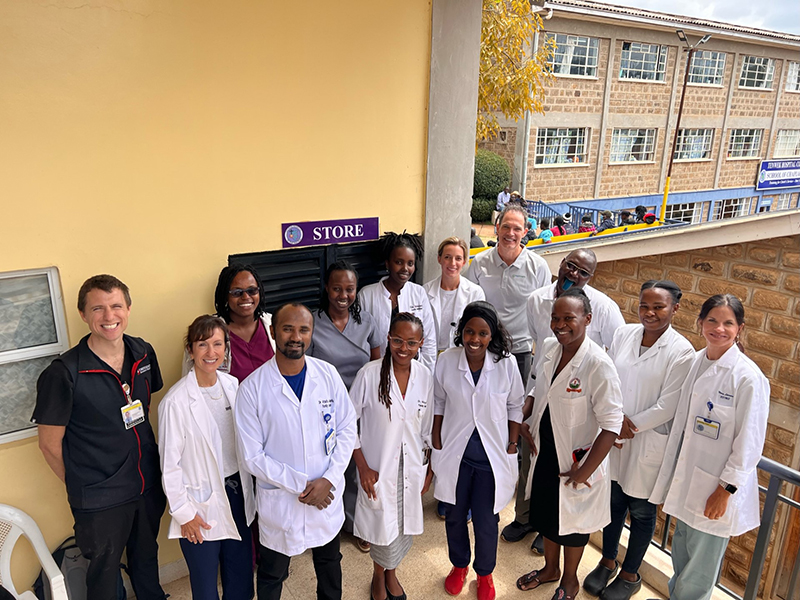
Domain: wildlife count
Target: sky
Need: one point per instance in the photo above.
(775, 15)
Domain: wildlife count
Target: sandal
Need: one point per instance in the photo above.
(561, 594)
(532, 577)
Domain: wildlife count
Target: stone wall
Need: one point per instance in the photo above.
(765, 275)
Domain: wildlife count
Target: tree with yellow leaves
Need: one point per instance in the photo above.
(511, 79)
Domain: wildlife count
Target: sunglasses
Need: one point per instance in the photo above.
(576, 269)
(398, 343)
(239, 292)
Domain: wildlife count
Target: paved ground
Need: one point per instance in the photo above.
(423, 571)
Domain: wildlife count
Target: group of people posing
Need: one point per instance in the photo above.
(287, 428)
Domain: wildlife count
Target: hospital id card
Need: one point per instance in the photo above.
(330, 441)
(132, 414)
(706, 427)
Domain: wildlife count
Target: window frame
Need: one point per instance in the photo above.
(740, 206)
(793, 79)
(785, 199)
(708, 133)
(55, 348)
(660, 62)
(769, 76)
(743, 144)
(695, 207)
(719, 66)
(593, 43)
(587, 133)
(649, 134)
(779, 147)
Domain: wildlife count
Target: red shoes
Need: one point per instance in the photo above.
(454, 582)
(486, 588)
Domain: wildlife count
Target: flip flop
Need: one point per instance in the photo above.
(561, 594)
(532, 577)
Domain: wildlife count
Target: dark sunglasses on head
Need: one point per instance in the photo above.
(576, 269)
(239, 292)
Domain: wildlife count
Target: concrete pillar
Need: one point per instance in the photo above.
(452, 116)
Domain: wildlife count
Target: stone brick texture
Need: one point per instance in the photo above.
(764, 275)
(740, 172)
(504, 144)
(620, 178)
(749, 102)
(640, 97)
(557, 183)
(789, 105)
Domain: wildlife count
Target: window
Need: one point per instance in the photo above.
(707, 67)
(757, 72)
(694, 144)
(688, 212)
(731, 207)
(787, 145)
(745, 143)
(784, 201)
(793, 77)
(561, 146)
(32, 333)
(574, 55)
(645, 62)
(632, 145)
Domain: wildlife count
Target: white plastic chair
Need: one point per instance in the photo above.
(14, 523)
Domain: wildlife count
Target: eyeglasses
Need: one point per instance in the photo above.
(398, 343)
(576, 269)
(239, 292)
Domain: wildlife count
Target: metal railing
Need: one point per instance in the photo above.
(778, 475)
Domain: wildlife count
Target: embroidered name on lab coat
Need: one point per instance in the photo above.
(143, 369)
(724, 399)
(326, 403)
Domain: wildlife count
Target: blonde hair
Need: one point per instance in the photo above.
(454, 241)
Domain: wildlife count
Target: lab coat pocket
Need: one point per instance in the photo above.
(274, 509)
(653, 448)
(499, 411)
(365, 502)
(701, 486)
(513, 463)
(572, 411)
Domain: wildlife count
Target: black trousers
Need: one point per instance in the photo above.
(103, 535)
(274, 569)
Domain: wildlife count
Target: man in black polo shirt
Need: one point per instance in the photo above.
(92, 408)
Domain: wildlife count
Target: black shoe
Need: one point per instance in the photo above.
(621, 589)
(389, 595)
(515, 531)
(537, 547)
(597, 580)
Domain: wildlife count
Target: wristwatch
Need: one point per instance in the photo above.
(728, 487)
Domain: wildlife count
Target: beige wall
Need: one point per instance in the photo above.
(153, 139)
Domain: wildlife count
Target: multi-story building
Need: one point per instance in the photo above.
(612, 106)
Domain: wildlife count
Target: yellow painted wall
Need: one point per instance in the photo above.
(151, 139)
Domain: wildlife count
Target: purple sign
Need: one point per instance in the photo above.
(319, 233)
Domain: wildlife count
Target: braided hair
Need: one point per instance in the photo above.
(385, 384)
(391, 240)
(226, 277)
(324, 302)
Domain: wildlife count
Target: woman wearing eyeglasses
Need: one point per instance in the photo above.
(239, 299)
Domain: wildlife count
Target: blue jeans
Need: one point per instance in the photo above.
(643, 525)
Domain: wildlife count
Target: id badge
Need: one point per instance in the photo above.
(132, 414)
(706, 427)
(330, 441)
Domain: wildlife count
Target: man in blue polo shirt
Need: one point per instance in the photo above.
(92, 409)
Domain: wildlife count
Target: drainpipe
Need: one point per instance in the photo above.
(526, 136)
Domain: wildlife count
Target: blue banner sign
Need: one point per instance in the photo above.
(778, 174)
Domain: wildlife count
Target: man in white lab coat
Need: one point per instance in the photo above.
(576, 270)
(296, 431)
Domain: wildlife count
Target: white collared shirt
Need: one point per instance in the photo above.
(507, 288)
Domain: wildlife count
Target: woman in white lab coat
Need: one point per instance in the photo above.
(576, 416)
(450, 293)
(210, 496)
(396, 293)
(708, 476)
(393, 398)
(652, 360)
(478, 409)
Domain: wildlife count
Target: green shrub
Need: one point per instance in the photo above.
(492, 174)
(482, 209)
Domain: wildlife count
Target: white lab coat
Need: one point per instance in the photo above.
(377, 300)
(584, 398)
(467, 292)
(382, 440)
(651, 387)
(490, 406)
(282, 442)
(606, 317)
(225, 367)
(191, 460)
(694, 464)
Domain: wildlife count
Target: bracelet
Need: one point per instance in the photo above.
(513, 444)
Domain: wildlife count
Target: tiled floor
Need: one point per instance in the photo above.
(423, 571)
